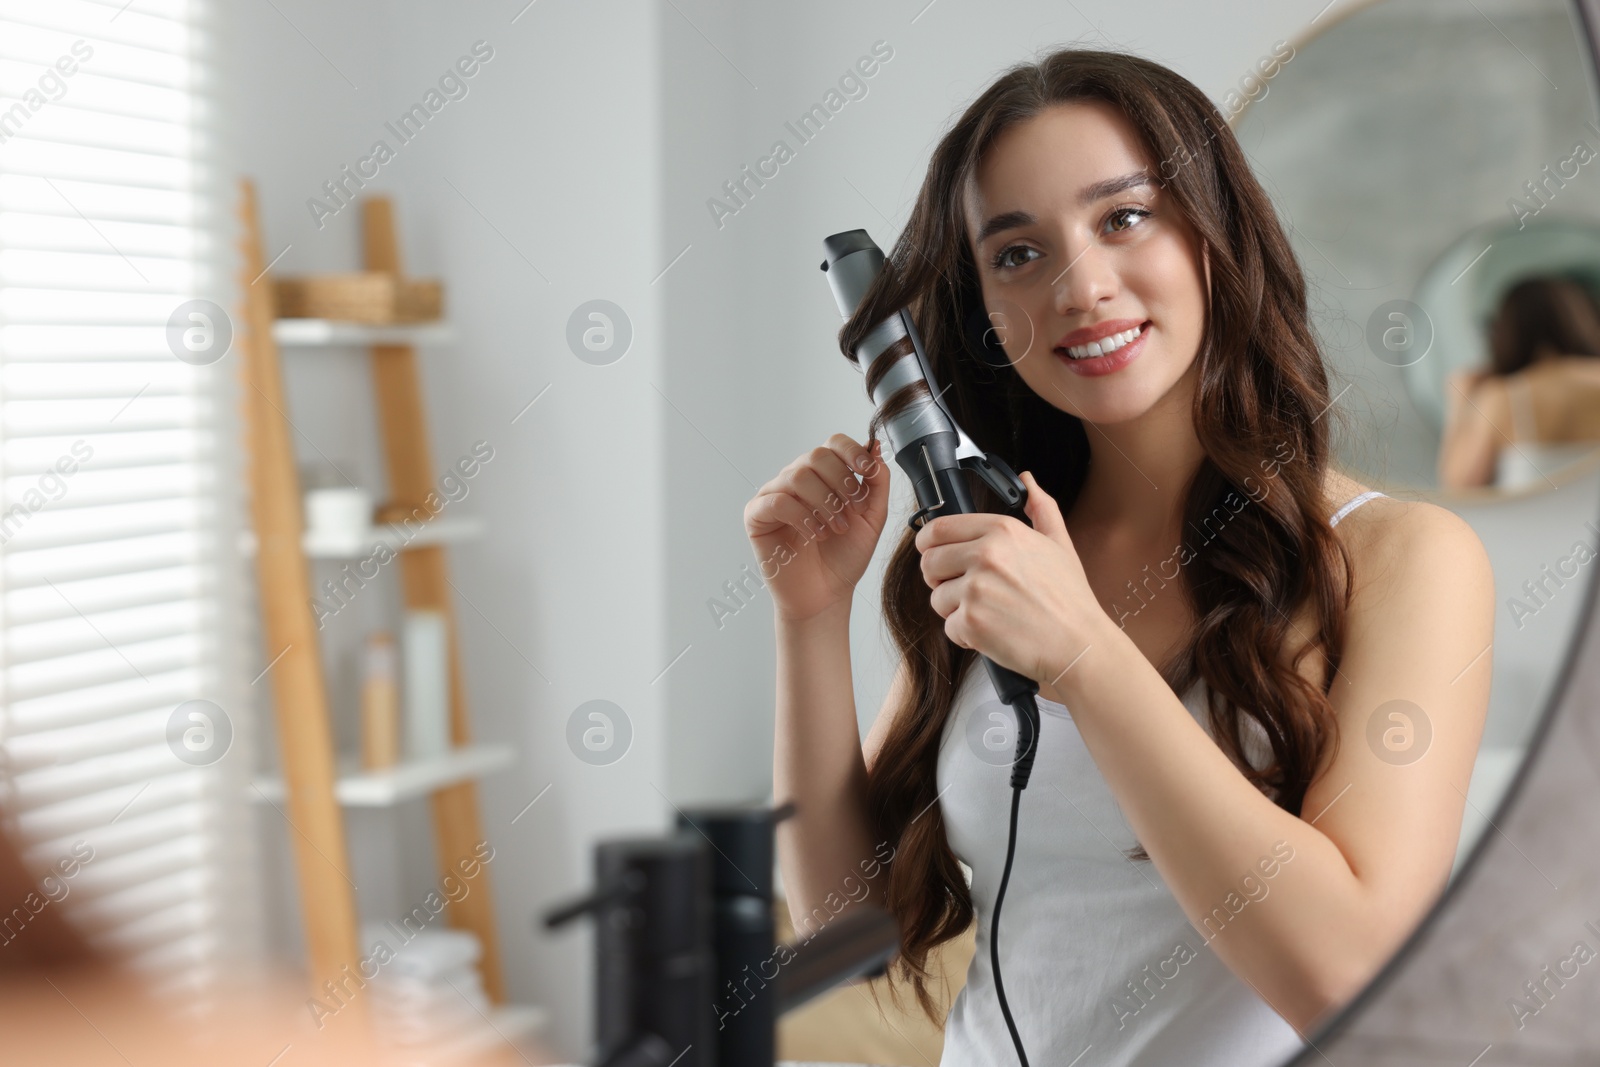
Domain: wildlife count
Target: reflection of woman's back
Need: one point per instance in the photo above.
(1541, 397)
(1554, 409)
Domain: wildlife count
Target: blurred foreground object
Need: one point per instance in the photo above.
(90, 1016)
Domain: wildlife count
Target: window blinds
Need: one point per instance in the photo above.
(121, 596)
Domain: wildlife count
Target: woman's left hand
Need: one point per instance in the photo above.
(1016, 594)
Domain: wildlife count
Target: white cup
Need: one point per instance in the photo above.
(342, 513)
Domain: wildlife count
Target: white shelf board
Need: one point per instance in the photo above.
(440, 530)
(443, 530)
(328, 333)
(410, 778)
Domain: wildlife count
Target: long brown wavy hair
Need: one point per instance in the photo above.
(1543, 313)
(1262, 391)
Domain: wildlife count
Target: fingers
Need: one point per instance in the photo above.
(772, 511)
(824, 479)
(1043, 511)
(868, 495)
(946, 598)
(945, 562)
(813, 494)
(826, 505)
(828, 463)
(950, 529)
(817, 493)
(874, 471)
(863, 461)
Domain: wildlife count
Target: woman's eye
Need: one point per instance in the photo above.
(1003, 261)
(1127, 212)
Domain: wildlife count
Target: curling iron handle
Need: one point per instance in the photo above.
(1018, 693)
(942, 490)
(1008, 683)
(999, 477)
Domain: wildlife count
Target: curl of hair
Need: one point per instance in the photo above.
(1262, 391)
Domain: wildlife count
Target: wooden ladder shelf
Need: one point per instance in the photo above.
(327, 894)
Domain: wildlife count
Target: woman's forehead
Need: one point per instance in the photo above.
(1074, 144)
(1067, 140)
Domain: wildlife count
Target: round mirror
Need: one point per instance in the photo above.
(1437, 166)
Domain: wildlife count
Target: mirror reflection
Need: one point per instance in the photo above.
(1431, 161)
(1427, 156)
(1536, 407)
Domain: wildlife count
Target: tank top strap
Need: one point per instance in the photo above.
(1353, 503)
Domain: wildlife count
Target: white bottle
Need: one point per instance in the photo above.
(427, 696)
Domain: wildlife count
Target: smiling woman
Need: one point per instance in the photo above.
(1150, 361)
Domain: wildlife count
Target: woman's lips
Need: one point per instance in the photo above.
(1111, 362)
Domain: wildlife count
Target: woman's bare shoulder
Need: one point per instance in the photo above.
(1565, 369)
(1386, 536)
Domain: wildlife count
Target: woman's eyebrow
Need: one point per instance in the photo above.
(1010, 220)
(1111, 186)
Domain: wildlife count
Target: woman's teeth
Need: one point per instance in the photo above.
(1104, 345)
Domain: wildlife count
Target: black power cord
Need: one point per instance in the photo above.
(1027, 710)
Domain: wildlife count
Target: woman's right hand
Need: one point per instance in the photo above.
(814, 526)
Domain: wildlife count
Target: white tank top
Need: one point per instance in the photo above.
(1101, 966)
(1527, 460)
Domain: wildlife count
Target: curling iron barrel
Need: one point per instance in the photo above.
(928, 444)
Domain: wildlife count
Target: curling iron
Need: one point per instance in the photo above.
(932, 449)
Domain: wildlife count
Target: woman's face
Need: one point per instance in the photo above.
(1074, 242)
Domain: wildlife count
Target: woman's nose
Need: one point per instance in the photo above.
(1085, 281)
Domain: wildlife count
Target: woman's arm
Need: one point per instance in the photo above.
(1380, 823)
(825, 850)
(814, 527)
(1472, 439)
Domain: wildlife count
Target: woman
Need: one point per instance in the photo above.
(1196, 880)
(1537, 408)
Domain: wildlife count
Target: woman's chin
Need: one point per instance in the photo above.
(1110, 414)
(1106, 403)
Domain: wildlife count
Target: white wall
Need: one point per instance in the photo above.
(587, 148)
(557, 144)
(558, 151)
